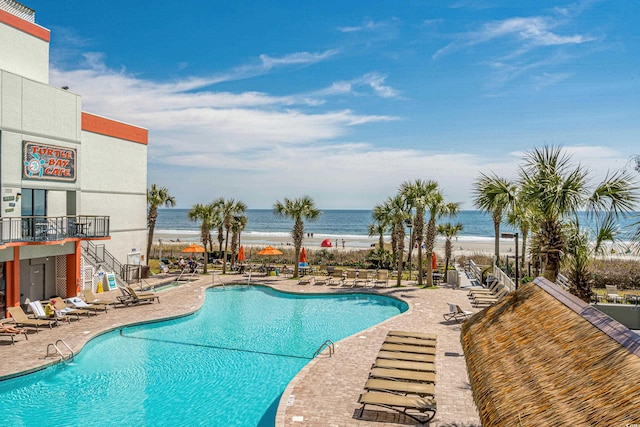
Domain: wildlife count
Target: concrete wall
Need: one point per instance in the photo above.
(23, 53)
(114, 183)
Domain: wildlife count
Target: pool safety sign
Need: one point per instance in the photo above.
(48, 162)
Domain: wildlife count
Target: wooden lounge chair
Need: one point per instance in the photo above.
(408, 348)
(404, 387)
(92, 299)
(337, 277)
(39, 313)
(405, 365)
(410, 341)
(493, 286)
(320, 280)
(456, 313)
(20, 319)
(79, 303)
(65, 309)
(306, 280)
(411, 334)
(381, 278)
(487, 300)
(403, 375)
(401, 355)
(401, 404)
(351, 277)
(12, 335)
(138, 297)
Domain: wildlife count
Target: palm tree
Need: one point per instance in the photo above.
(237, 225)
(556, 190)
(297, 209)
(228, 210)
(156, 197)
(438, 207)
(494, 195)
(521, 217)
(397, 211)
(582, 246)
(418, 194)
(449, 231)
(206, 214)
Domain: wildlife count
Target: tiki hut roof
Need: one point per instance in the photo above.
(543, 357)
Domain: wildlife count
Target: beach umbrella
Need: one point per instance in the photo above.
(326, 243)
(193, 249)
(269, 250)
(433, 261)
(303, 257)
(241, 255)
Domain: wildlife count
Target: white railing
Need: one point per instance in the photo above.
(19, 10)
(503, 278)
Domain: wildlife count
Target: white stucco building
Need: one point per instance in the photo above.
(66, 176)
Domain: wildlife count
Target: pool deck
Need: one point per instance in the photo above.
(326, 391)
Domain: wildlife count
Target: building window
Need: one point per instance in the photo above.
(34, 202)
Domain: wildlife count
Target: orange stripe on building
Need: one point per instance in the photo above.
(25, 26)
(108, 127)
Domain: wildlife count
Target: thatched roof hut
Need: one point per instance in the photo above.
(543, 357)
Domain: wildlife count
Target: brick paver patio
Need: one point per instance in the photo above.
(326, 391)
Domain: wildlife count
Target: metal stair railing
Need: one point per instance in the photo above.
(101, 256)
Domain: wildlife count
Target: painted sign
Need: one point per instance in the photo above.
(48, 162)
(111, 281)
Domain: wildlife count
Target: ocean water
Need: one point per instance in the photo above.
(263, 227)
(350, 225)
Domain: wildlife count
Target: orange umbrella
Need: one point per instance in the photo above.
(241, 255)
(269, 250)
(303, 256)
(193, 248)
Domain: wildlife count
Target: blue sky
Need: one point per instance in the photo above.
(343, 101)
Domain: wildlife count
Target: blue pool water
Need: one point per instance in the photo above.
(225, 365)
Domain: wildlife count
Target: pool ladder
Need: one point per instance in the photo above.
(327, 344)
(55, 347)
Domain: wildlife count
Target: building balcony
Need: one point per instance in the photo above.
(51, 229)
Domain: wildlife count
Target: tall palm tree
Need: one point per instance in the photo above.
(494, 195)
(205, 214)
(418, 194)
(237, 225)
(522, 218)
(218, 223)
(228, 210)
(438, 207)
(297, 210)
(449, 231)
(156, 197)
(556, 189)
(398, 211)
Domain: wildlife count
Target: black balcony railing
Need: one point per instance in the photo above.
(46, 228)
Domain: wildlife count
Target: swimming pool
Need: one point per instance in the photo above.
(225, 365)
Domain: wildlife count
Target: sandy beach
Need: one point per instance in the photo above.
(462, 246)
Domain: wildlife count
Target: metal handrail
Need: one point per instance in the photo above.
(327, 344)
(101, 255)
(45, 228)
(57, 349)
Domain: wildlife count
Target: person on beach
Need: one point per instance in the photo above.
(8, 329)
(51, 311)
